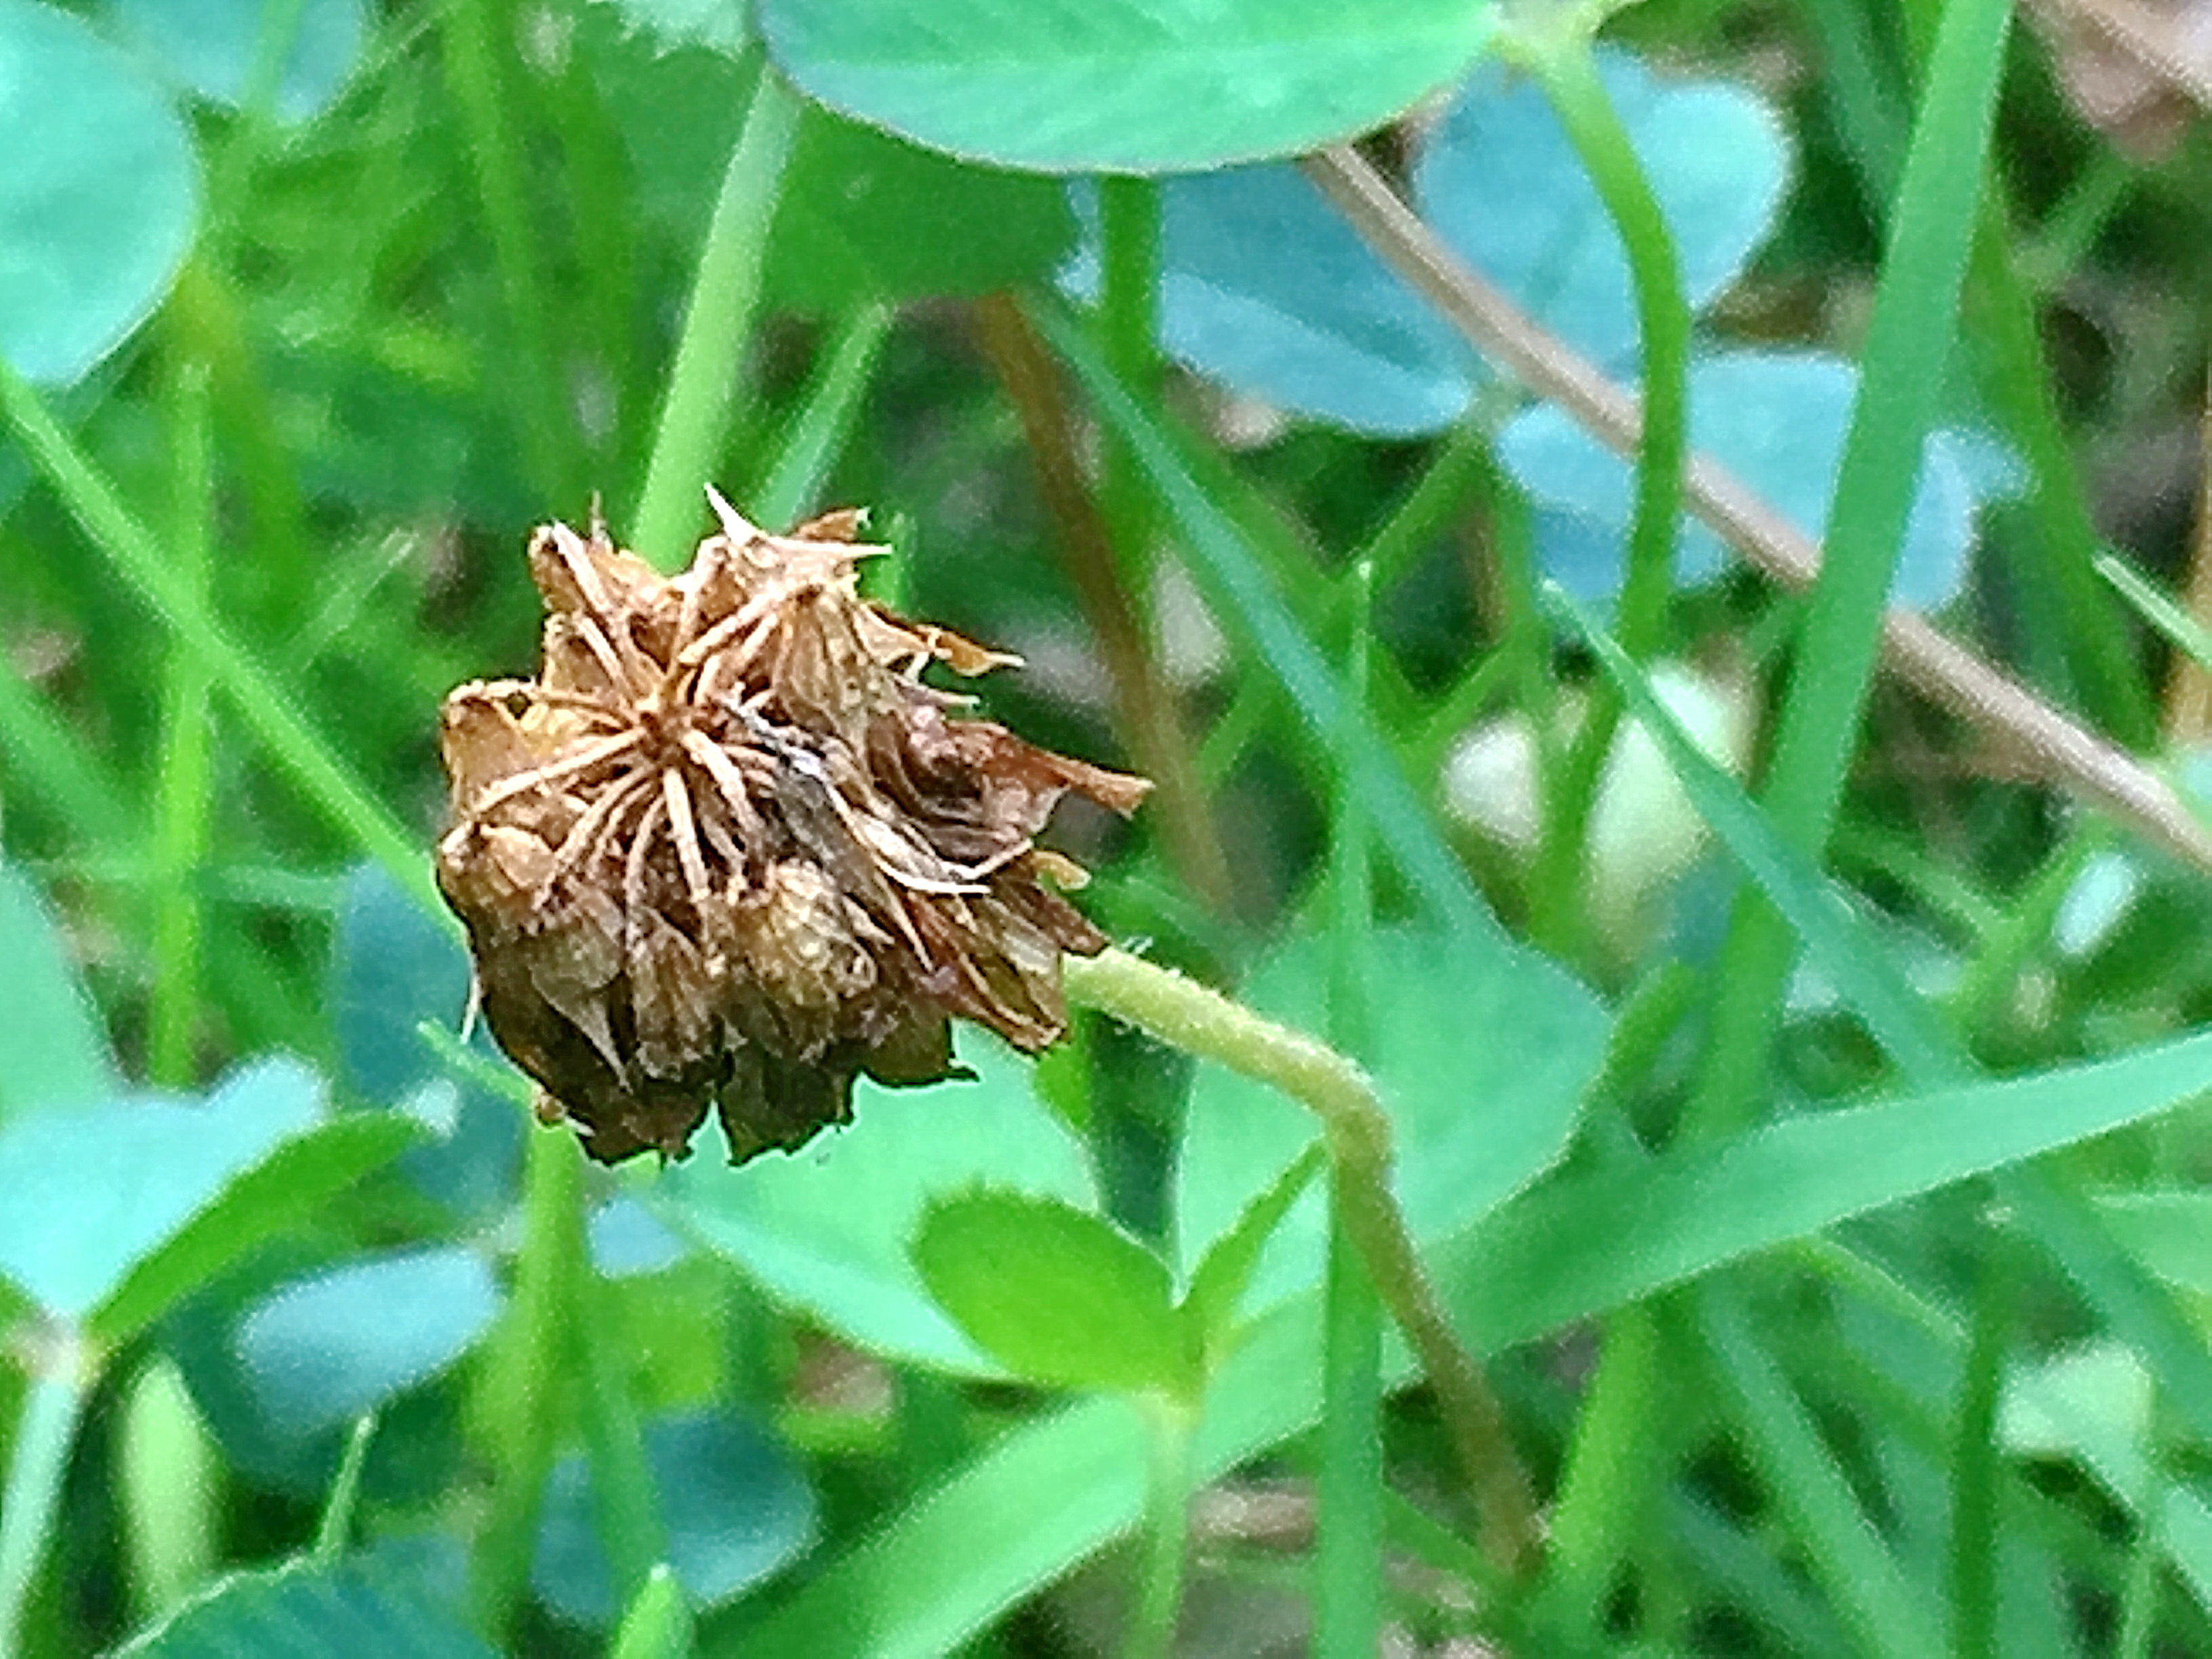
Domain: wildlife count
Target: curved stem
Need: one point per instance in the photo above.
(1201, 1022)
(1569, 76)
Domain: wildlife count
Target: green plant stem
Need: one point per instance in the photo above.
(628, 1511)
(1128, 332)
(831, 403)
(1348, 1543)
(1606, 1485)
(1568, 74)
(1169, 1425)
(717, 324)
(1915, 308)
(337, 1524)
(1180, 1011)
(299, 750)
(1977, 1462)
(185, 798)
(525, 1395)
(1567, 70)
(61, 1381)
(479, 49)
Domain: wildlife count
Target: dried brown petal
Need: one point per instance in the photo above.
(728, 849)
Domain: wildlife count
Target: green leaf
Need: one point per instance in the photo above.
(736, 1504)
(1226, 1270)
(97, 198)
(285, 1190)
(868, 217)
(827, 1230)
(1051, 1494)
(2169, 1232)
(1481, 1060)
(657, 1625)
(1124, 86)
(862, 217)
(212, 47)
(49, 1029)
(1578, 1246)
(1053, 1293)
(323, 1350)
(363, 1609)
(95, 1190)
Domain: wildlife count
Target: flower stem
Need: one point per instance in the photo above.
(695, 418)
(1169, 1425)
(1201, 1022)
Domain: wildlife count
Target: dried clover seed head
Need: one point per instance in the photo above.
(728, 846)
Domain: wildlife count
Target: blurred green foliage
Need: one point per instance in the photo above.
(1795, 1111)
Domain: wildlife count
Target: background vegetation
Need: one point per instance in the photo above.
(1781, 1013)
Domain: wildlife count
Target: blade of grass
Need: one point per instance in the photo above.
(337, 1524)
(818, 434)
(184, 799)
(2181, 629)
(1875, 1600)
(1240, 593)
(2141, 1311)
(1911, 331)
(314, 767)
(61, 1383)
(50, 762)
(479, 57)
(717, 324)
(1347, 1560)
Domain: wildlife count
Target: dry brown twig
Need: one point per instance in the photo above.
(2064, 752)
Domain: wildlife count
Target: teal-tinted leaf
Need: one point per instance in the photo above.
(287, 1187)
(49, 1029)
(863, 216)
(1267, 288)
(97, 195)
(392, 968)
(1500, 182)
(736, 1504)
(1776, 420)
(322, 1350)
(1480, 1057)
(1142, 86)
(2169, 1232)
(1053, 1293)
(827, 1229)
(211, 47)
(627, 1240)
(1217, 1287)
(94, 1190)
(370, 1609)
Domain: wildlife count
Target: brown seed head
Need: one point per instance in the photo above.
(728, 846)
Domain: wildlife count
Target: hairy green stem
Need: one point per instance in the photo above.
(1189, 1016)
(717, 324)
(819, 432)
(1169, 1426)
